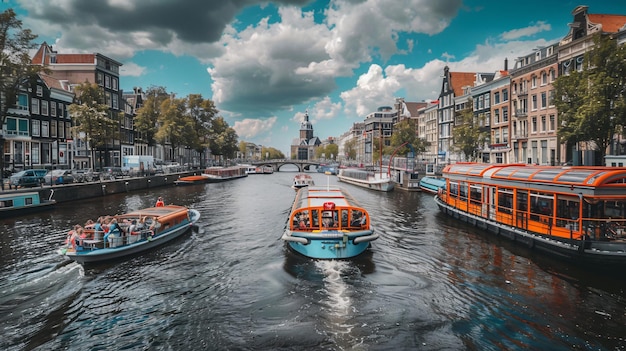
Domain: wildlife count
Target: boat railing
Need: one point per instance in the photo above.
(343, 218)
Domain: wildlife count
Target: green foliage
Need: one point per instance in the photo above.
(592, 102)
(15, 64)
(328, 151)
(469, 137)
(272, 152)
(146, 121)
(92, 116)
(405, 131)
(350, 148)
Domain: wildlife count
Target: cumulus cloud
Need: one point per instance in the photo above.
(250, 128)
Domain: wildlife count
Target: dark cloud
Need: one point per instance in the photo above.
(194, 21)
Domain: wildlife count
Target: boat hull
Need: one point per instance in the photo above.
(331, 244)
(106, 254)
(385, 185)
(600, 253)
(431, 185)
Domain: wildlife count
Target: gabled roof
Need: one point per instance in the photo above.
(460, 80)
(610, 23)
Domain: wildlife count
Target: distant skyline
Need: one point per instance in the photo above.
(265, 63)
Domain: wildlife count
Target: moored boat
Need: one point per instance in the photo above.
(222, 174)
(431, 184)
(138, 231)
(324, 223)
(17, 203)
(576, 213)
(302, 180)
(379, 181)
(192, 179)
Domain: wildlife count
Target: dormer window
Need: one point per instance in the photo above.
(39, 90)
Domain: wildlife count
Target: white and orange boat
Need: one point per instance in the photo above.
(577, 213)
(302, 180)
(214, 175)
(159, 225)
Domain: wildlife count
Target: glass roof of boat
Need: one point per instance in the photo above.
(584, 176)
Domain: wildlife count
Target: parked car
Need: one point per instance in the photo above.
(112, 173)
(85, 175)
(59, 176)
(28, 178)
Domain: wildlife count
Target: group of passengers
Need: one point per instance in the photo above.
(108, 229)
(329, 219)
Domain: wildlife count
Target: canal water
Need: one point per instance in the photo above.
(428, 283)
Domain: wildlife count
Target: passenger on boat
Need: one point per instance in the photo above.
(72, 238)
(327, 219)
(159, 202)
(115, 231)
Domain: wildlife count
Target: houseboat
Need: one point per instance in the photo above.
(136, 232)
(576, 213)
(380, 181)
(324, 223)
(222, 174)
(17, 203)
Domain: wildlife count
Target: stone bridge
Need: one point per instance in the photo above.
(277, 164)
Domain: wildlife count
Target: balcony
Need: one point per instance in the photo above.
(520, 135)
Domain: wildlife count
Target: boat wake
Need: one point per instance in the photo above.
(338, 310)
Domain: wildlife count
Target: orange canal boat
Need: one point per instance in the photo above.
(578, 213)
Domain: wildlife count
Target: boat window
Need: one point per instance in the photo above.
(577, 176)
(28, 201)
(541, 204)
(522, 200)
(505, 200)
(567, 209)
(463, 192)
(547, 174)
(454, 189)
(476, 194)
(344, 218)
(614, 209)
(315, 218)
(6, 203)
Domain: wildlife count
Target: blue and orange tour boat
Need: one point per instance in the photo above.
(324, 223)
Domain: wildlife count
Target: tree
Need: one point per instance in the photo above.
(469, 136)
(223, 139)
(91, 116)
(173, 123)
(350, 148)
(201, 112)
(405, 131)
(15, 67)
(146, 121)
(592, 102)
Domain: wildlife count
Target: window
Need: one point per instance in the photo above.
(552, 122)
(544, 78)
(499, 157)
(34, 106)
(53, 109)
(543, 124)
(552, 75)
(34, 153)
(487, 100)
(100, 78)
(115, 102)
(551, 98)
(114, 83)
(505, 114)
(534, 125)
(505, 95)
(44, 108)
(108, 98)
(22, 102)
(39, 90)
(496, 116)
(53, 128)
(544, 102)
(45, 129)
(107, 82)
(533, 82)
(533, 105)
(505, 135)
(62, 110)
(496, 97)
(36, 127)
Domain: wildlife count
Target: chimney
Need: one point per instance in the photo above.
(506, 64)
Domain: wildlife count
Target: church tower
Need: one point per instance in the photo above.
(306, 128)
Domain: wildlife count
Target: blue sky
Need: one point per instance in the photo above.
(265, 63)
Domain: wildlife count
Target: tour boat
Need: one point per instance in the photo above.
(192, 179)
(431, 184)
(380, 181)
(158, 226)
(324, 223)
(302, 180)
(16, 203)
(577, 213)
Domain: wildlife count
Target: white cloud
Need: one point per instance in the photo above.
(251, 128)
(131, 69)
(538, 27)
